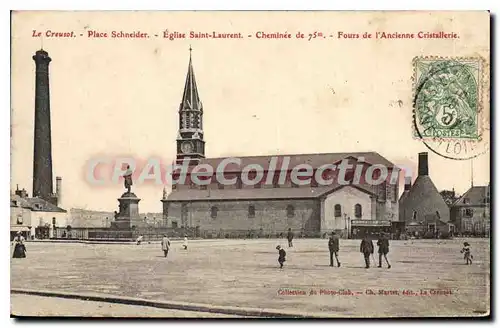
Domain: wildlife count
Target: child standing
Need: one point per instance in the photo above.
(281, 256)
(467, 255)
(185, 243)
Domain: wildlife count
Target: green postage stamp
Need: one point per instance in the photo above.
(448, 98)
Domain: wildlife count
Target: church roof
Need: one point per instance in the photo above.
(259, 193)
(190, 97)
(315, 160)
(475, 196)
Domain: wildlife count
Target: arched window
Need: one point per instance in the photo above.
(251, 211)
(213, 212)
(290, 211)
(338, 211)
(358, 211)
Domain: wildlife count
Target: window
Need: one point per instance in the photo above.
(213, 212)
(290, 211)
(414, 215)
(251, 211)
(338, 211)
(468, 212)
(174, 224)
(358, 211)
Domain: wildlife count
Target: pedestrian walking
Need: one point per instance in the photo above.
(19, 247)
(467, 254)
(383, 249)
(290, 236)
(333, 246)
(366, 248)
(185, 243)
(165, 245)
(281, 256)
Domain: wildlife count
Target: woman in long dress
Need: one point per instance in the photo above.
(19, 248)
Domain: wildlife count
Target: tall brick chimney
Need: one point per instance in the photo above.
(423, 164)
(42, 159)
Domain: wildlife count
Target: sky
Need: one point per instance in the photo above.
(120, 97)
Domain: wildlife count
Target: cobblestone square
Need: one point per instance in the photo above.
(427, 278)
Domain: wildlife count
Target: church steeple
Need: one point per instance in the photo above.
(190, 97)
(190, 143)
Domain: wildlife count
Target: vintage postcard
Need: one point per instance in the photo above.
(250, 164)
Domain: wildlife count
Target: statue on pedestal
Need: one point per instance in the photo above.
(128, 179)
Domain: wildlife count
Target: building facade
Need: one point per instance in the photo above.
(34, 217)
(471, 213)
(272, 208)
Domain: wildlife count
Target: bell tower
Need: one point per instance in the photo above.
(190, 143)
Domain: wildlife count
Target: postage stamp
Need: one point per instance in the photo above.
(449, 104)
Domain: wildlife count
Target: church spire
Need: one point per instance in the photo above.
(190, 97)
(190, 143)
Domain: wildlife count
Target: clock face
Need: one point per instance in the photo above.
(186, 147)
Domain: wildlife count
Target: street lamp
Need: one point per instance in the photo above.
(345, 226)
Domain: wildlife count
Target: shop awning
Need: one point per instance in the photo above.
(370, 223)
(16, 229)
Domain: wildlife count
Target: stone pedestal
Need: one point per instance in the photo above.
(128, 215)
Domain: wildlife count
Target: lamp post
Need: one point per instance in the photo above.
(345, 226)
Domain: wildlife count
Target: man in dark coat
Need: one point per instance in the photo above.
(367, 249)
(290, 237)
(383, 249)
(333, 246)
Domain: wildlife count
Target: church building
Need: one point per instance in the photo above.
(272, 208)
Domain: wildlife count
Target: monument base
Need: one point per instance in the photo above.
(128, 216)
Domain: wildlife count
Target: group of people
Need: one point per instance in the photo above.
(366, 248)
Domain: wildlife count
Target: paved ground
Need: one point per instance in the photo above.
(245, 273)
(27, 305)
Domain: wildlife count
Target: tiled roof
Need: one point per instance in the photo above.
(315, 160)
(41, 205)
(474, 196)
(257, 193)
(16, 200)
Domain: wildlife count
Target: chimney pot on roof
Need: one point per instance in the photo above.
(407, 183)
(423, 164)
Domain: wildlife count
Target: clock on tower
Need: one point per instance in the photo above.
(190, 143)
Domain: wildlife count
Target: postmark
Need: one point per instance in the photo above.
(451, 105)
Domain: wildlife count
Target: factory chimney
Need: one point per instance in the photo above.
(42, 159)
(423, 164)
